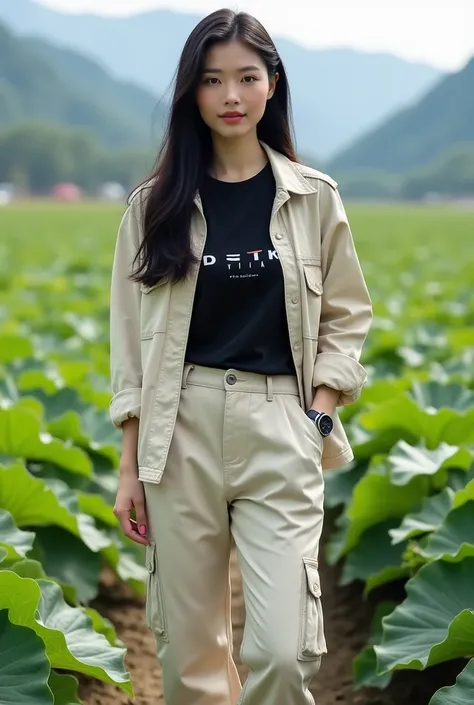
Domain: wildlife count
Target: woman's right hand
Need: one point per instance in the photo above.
(130, 495)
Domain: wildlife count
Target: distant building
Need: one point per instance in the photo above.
(66, 192)
(7, 194)
(112, 191)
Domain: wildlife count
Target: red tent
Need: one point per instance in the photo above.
(66, 192)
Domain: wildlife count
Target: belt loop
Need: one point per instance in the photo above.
(269, 388)
(187, 369)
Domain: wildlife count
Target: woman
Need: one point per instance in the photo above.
(238, 314)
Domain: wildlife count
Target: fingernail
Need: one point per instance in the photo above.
(143, 530)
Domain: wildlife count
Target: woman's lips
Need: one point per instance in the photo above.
(232, 118)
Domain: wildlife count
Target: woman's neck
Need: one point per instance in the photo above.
(237, 159)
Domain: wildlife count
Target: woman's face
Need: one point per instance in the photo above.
(234, 89)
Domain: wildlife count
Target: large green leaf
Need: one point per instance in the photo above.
(69, 561)
(71, 643)
(14, 347)
(90, 432)
(337, 540)
(433, 396)
(70, 418)
(96, 506)
(457, 368)
(364, 666)
(16, 542)
(454, 540)
(64, 688)
(435, 622)
(367, 444)
(124, 559)
(398, 412)
(33, 568)
(22, 436)
(466, 494)
(24, 667)
(9, 393)
(37, 379)
(461, 692)
(104, 626)
(408, 461)
(63, 401)
(28, 568)
(433, 512)
(376, 499)
(95, 539)
(375, 560)
(383, 389)
(339, 484)
(452, 426)
(95, 496)
(33, 503)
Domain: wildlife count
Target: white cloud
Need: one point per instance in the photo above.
(434, 31)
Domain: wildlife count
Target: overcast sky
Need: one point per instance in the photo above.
(440, 32)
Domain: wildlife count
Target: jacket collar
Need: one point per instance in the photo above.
(288, 176)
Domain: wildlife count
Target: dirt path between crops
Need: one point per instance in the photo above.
(347, 618)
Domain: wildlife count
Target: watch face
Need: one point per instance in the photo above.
(326, 425)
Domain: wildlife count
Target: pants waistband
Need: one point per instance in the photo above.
(232, 380)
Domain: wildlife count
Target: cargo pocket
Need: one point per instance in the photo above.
(155, 612)
(312, 640)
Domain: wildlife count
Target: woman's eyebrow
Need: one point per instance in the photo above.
(242, 70)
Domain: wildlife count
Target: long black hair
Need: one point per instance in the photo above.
(186, 150)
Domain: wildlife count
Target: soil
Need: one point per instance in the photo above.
(347, 623)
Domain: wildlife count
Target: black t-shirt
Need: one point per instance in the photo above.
(239, 317)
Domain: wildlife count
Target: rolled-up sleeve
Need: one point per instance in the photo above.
(125, 346)
(346, 312)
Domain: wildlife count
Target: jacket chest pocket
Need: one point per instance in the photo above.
(154, 309)
(311, 297)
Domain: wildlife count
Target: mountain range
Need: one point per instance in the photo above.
(442, 120)
(39, 81)
(337, 94)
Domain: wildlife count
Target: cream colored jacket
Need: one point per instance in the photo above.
(328, 309)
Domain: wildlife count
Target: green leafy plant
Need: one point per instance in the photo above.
(404, 504)
(406, 514)
(57, 533)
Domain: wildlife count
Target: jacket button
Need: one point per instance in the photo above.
(294, 300)
(296, 346)
(278, 236)
(231, 379)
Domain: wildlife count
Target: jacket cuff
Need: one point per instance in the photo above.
(340, 372)
(125, 405)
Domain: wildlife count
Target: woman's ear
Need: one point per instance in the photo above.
(273, 82)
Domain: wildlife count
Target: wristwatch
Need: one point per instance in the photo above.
(322, 421)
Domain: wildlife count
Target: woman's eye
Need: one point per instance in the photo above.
(249, 79)
(212, 81)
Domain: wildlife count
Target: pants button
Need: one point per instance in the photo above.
(231, 379)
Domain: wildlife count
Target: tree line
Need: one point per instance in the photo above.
(36, 156)
(450, 175)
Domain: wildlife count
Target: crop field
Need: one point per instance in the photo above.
(398, 556)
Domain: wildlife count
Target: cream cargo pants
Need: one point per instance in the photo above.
(244, 460)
